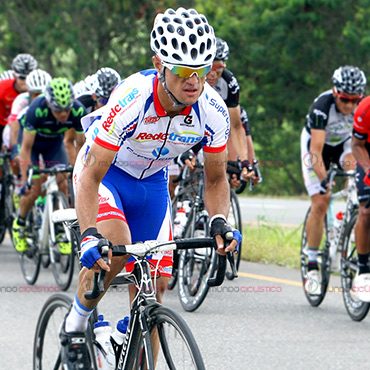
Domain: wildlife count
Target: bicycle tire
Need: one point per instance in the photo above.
(323, 263)
(178, 348)
(30, 260)
(62, 264)
(173, 280)
(195, 268)
(356, 309)
(235, 220)
(46, 345)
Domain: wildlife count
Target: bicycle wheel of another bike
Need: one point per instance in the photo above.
(62, 252)
(196, 266)
(356, 309)
(177, 346)
(173, 279)
(323, 263)
(235, 220)
(46, 346)
(31, 259)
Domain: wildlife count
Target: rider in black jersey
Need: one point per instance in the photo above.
(326, 138)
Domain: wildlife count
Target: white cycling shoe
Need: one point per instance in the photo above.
(312, 284)
(362, 287)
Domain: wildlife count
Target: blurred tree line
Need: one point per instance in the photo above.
(283, 53)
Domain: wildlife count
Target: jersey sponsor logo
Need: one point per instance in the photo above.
(184, 137)
(151, 119)
(158, 152)
(103, 199)
(219, 107)
(78, 112)
(129, 96)
(41, 112)
(112, 114)
(188, 120)
(318, 112)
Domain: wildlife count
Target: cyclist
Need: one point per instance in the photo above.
(46, 124)
(226, 84)
(121, 172)
(361, 152)
(36, 82)
(22, 65)
(106, 80)
(326, 138)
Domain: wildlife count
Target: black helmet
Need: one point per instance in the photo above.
(349, 79)
(24, 64)
(106, 79)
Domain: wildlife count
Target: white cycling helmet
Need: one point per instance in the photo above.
(349, 79)
(7, 75)
(222, 49)
(183, 37)
(107, 79)
(37, 80)
(24, 64)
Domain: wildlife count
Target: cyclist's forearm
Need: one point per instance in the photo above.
(360, 153)
(86, 202)
(217, 198)
(250, 147)
(239, 142)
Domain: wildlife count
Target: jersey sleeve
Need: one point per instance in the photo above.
(78, 111)
(30, 119)
(119, 117)
(361, 124)
(233, 88)
(217, 127)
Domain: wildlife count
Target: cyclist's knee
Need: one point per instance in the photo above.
(364, 216)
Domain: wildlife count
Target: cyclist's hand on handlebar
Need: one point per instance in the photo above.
(90, 256)
(248, 172)
(227, 239)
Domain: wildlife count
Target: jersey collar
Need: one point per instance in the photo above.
(157, 105)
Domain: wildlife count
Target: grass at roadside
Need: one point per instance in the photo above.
(272, 244)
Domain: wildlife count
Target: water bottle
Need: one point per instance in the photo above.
(103, 331)
(337, 224)
(116, 340)
(40, 206)
(179, 223)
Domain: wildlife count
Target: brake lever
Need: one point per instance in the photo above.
(99, 277)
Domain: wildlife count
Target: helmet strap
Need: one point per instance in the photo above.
(162, 79)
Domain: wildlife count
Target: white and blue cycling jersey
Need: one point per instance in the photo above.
(146, 138)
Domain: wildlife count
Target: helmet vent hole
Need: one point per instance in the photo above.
(197, 21)
(194, 54)
(175, 44)
(177, 20)
(163, 40)
(177, 57)
(190, 24)
(200, 31)
(160, 30)
(171, 28)
(181, 31)
(193, 39)
(184, 48)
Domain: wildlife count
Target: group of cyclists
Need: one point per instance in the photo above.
(139, 125)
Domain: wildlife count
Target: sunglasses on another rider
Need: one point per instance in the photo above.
(20, 76)
(60, 110)
(103, 100)
(187, 72)
(346, 99)
(218, 67)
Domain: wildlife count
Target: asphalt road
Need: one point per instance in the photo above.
(261, 321)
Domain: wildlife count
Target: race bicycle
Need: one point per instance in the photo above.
(178, 348)
(44, 237)
(7, 211)
(329, 240)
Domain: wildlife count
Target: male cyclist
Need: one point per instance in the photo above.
(22, 65)
(106, 80)
(326, 139)
(36, 82)
(121, 186)
(361, 152)
(46, 121)
(226, 84)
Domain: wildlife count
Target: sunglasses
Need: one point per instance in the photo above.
(103, 101)
(187, 72)
(218, 67)
(60, 110)
(21, 77)
(346, 99)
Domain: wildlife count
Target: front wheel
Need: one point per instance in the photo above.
(62, 249)
(46, 346)
(177, 346)
(31, 259)
(356, 309)
(323, 264)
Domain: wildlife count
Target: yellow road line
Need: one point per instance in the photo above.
(269, 278)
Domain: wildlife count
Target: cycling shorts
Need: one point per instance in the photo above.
(330, 154)
(144, 205)
(52, 152)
